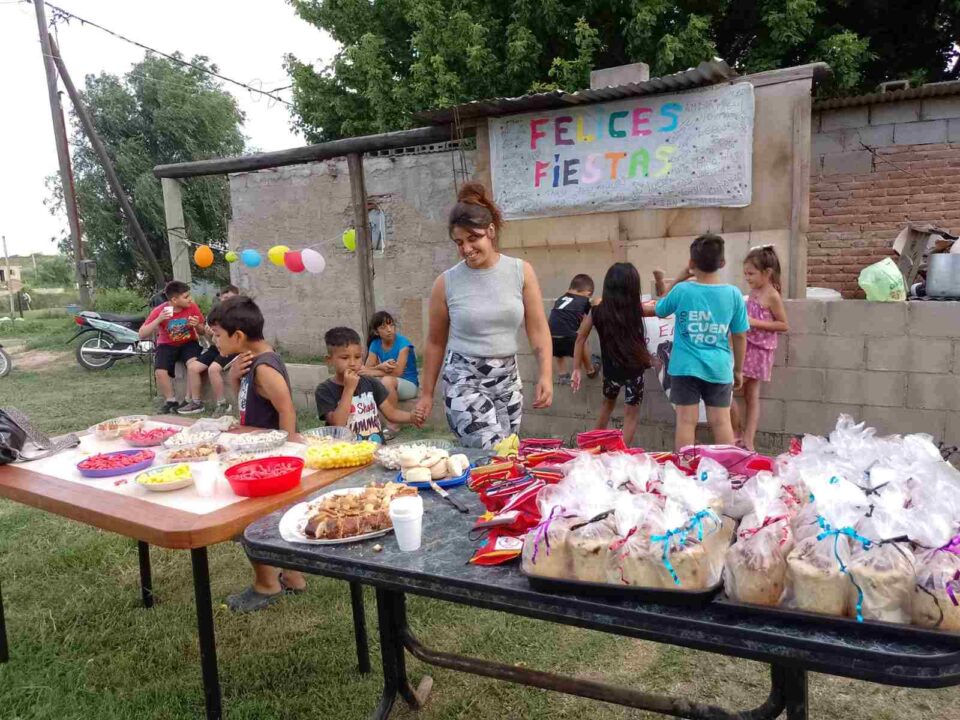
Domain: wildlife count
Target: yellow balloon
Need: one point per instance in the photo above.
(276, 254)
(231, 256)
(350, 239)
(203, 256)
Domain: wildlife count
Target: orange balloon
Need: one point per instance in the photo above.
(203, 256)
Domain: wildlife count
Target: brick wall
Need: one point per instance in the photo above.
(860, 197)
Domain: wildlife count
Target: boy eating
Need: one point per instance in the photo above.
(565, 318)
(350, 400)
(260, 381)
(177, 323)
(212, 363)
(709, 342)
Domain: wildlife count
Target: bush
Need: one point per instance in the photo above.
(120, 301)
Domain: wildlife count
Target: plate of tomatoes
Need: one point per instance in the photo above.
(115, 463)
(149, 437)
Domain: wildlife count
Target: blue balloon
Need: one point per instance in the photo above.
(250, 258)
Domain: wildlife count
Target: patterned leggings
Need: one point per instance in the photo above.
(483, 399)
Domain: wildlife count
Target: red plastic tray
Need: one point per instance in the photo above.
(272, 485)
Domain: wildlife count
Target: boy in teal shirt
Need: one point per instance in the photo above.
(709, 342)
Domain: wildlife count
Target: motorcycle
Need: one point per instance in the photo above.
(110, 338)
(6, 364)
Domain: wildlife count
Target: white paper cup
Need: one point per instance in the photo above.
(406, 514)
(205, 478)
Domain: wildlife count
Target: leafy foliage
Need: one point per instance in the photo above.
(52, 272)
(159, 112)
(402, 56)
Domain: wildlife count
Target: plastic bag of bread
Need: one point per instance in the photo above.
(632, 473)
(818, 578)
(725, 487)
(936, 598)
(827, 489)
(883, 573)
(589, 544)
(686, 563)
(546, 551)
(633, 560)
(755, 566)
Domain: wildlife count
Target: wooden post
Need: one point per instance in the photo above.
(98, 147)
(6, 259)
(799, 199)
(362, 225)
(63, 156)
(176, 230)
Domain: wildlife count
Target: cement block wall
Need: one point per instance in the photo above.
(895, 366)
(873, 167)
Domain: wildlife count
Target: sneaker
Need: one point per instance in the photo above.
(169, 407)
(190, 407)
(222, 408)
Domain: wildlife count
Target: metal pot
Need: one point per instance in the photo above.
(943, 275)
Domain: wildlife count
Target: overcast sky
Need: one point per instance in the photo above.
(247, 39)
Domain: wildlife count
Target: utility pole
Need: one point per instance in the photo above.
(63, 154)
(100, 149)
(6, 260)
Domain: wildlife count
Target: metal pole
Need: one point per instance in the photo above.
(4, 648)
(63, 153)
(100, 149)
(205, 633)
(362, 225)
(6, 259)
(146, 575)
(360, 627)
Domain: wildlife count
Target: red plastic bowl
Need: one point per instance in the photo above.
(272, 483)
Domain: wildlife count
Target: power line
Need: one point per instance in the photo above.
(60, 14)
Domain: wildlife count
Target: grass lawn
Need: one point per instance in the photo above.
(81, 647)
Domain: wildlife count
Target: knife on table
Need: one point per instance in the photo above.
(446, 496)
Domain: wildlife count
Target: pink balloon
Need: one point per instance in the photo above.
(294, 261)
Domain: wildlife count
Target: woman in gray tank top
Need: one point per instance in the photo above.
(476, 310)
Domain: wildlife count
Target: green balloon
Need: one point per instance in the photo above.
(230, 256)
(350, 239)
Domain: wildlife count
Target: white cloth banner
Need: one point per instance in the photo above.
(660, 151)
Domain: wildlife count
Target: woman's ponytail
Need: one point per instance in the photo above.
(475, 209)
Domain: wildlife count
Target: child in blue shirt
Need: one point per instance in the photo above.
(391, 359)
(709, 342)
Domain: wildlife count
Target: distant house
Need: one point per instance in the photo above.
(15, 273)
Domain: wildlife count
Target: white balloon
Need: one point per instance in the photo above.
(313, 261)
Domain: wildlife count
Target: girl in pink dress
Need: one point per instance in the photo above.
(768, 317)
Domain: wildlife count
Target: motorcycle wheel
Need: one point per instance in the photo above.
(5, 363)
(90, 359)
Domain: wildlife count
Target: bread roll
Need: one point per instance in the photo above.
(417, 474)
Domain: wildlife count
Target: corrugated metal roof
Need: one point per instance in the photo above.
(930, 90)
(706, 73)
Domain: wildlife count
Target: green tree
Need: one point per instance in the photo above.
(401, 56)
(51, 272)
(159, 112)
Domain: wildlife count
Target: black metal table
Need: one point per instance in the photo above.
(440, 570)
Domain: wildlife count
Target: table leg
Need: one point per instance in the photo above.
(415, 698)
(795, 693)
(146, 576)
(360, 627)
(388, 643)
(205, 633)
(4, 650)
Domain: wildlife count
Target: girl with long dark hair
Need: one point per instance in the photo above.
(623, 345)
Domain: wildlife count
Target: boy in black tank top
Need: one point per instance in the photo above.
(260, 380)
(565, 319)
